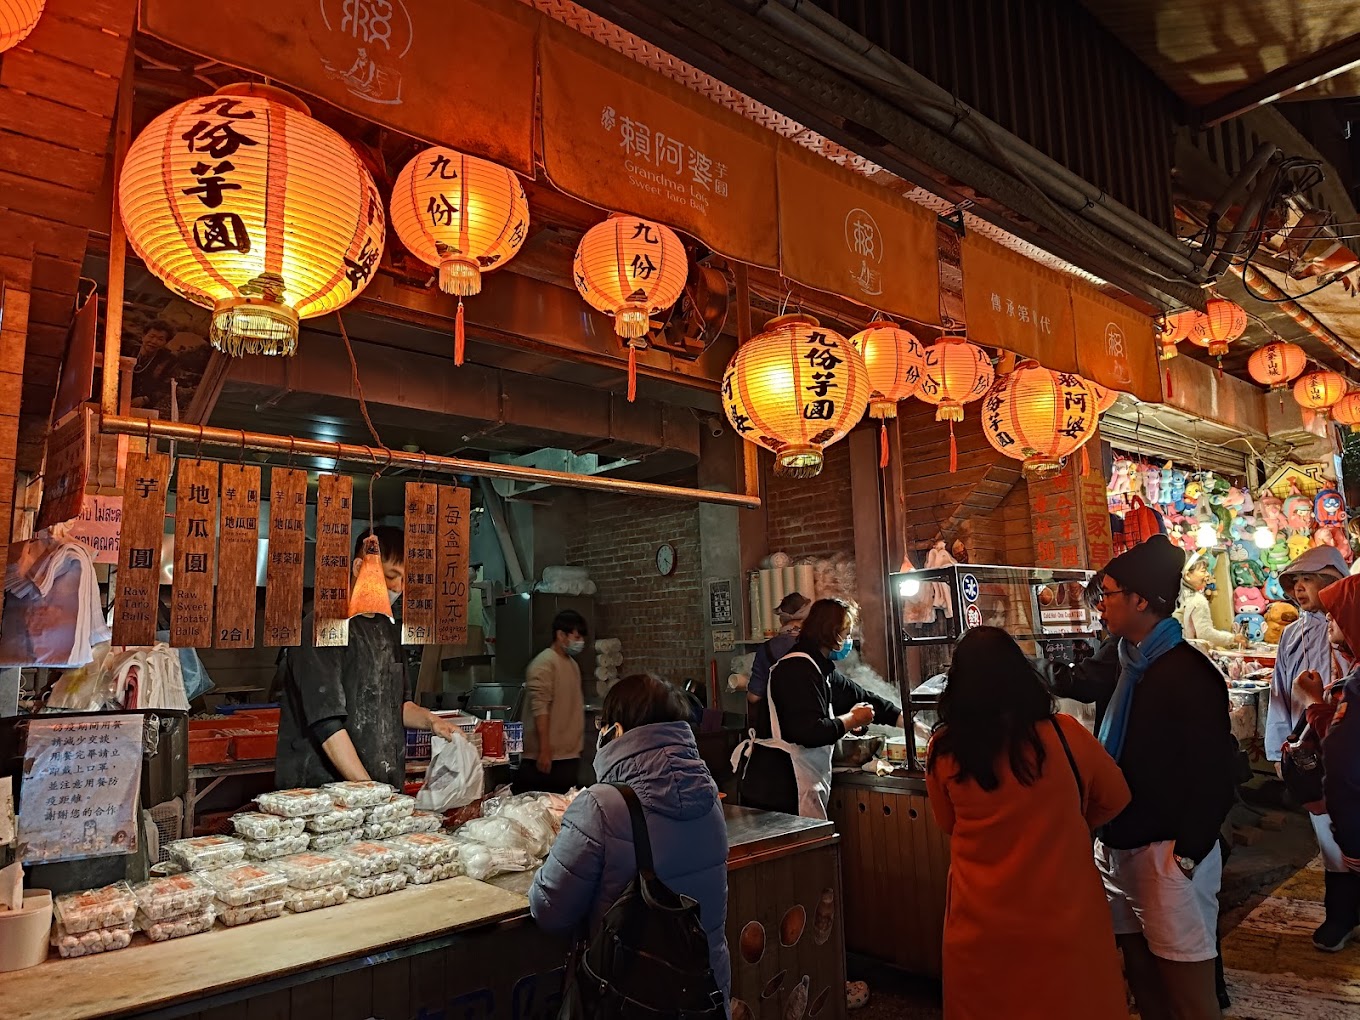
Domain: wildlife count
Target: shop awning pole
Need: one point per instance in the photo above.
(371, 458)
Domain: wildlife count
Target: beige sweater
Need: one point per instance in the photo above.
(553, 685)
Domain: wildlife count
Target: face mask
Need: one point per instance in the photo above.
(841, 652)
(576, 647)
(608, 734)
(393, 597)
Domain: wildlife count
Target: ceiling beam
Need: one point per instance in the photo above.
(1284, 81)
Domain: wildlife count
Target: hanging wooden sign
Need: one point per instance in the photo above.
(139, 549)
(237, 557)
(451, 591)
(191, 598)
(68, 468)
(287, 547)
(417, 601)
(334, 557)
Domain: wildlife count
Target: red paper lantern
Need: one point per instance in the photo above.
(1220, 323)
(1346, 411)
(895, 360)
(1039, 416)
(1277, 364)
(1318, 391)
(1105, 397)
(17, 19)
(1175, 329)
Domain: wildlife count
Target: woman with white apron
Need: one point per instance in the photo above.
(785, 763)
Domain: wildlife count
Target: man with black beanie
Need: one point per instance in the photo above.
(1167, 726)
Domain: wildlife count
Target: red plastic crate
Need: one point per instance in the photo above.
(209, 747)
(254, 746)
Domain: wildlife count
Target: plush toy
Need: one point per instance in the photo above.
(1176, 496)
(1152, 483)
(1278, 616)
(1329, 509)
(1121, 478)
(1193, 488)
(1251, 624)
(1270, 509)
(1298, 544)
(1298, 515)
(1237, 552)
(1277, 556)
(1274, 592)
(1234, 499)
(1165, 485)
(1248, 600)
(1248, 574)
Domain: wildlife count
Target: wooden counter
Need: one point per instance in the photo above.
(149, 976)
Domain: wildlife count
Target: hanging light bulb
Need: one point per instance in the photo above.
(1263, 537)
(369, 595)
(1207, 536)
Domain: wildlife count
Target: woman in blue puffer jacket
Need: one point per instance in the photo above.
(645, 744)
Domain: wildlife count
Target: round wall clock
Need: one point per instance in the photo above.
(665, 560)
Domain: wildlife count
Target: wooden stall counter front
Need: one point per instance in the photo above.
(458, 948)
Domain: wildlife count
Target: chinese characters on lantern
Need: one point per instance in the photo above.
(664, 165)
(823, 357)
(222, 130)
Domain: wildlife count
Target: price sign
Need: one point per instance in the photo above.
(451, 552)
(287, 545)
(334, 559)
(238, 556)
(139, 549)
(417, 601)
(191, 606)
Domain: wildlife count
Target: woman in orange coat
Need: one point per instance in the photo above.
(1027, 931)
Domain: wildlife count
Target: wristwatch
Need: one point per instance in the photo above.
(1185, 864)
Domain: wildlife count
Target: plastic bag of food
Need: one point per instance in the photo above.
(312, 871)
(375, 885)
(258, 825)
(556, 805)
(529, 812)
(258, 911)
(202, 853)
(369, 859)
(454, 777)
(269, 849)
(420, 821)
(384, 830)
(434, 873)
(173, 896)
(336, 819)
(297, 803)
(328, 841)
(482, 862)
(505, 832)
(426, 849)
(299, 901)
(176, 927)
(97, 940)
(365, 794)
(249, 883)
(112, 906)
(391, 810)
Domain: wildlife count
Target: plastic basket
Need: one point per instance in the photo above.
(418, 741)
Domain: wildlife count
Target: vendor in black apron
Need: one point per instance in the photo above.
(787, 764)
(345, 709)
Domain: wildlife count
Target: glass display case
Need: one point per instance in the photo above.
(1044, 610)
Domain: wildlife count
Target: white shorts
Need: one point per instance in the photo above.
(1149, 894)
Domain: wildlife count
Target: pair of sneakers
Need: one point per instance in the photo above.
(1333, 936)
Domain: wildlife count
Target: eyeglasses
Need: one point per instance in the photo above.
(1100, 594)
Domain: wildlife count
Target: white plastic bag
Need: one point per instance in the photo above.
(454, 778)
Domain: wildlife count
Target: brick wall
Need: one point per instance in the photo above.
(658, 619)
(811, 516)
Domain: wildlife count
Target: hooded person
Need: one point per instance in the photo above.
(1167, 726)
(1197, 622)
(1331, 708)
(1303, 645)
(645, 744)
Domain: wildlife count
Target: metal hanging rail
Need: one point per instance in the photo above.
(375, 458)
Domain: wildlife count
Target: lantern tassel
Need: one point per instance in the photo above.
(953, 450)
(1085, 461)
(883, 444)
(459, 335)
(632, 373)
(1168, 381)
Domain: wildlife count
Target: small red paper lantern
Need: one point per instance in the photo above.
(895, 360)
(1175, 329)
(1220, 323)
(956, 372)
(1318, 391)
(1277, 364)
(1346, 411)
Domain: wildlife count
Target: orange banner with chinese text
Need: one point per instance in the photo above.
(1116, 345)
(846, 235)
(456, 72)
(625, 138)
(1013, 302)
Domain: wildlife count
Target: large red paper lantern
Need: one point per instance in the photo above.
(1220, 323)
(895, 361)
(1039, 416)
(1277, 364)
(242, 203)
(1318, 391)
(17, 19)
(794, 389)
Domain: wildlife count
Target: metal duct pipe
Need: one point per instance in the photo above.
(1251, 210)
(374, 457)
(496, 510)
(849, 52)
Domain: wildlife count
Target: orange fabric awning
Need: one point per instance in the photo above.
(457, 72)
(844, 234)
(1014, 303)
(1116, 345)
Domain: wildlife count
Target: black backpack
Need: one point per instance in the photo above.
(649, 958)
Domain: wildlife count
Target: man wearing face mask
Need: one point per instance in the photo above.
(555, 726)
(345, 710)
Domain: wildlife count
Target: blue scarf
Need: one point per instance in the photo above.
(1134, 662)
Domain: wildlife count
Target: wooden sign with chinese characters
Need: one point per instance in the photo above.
(1069, 518)
(68, 467)
(191, 599)
(844, 234)
(238, 554)
(417, 601)
(334, 560)
(287, 547)
(451, 592)
(1013, 302)
(1095, 507)
(139, 549)
(385, 60)
(625, 137)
